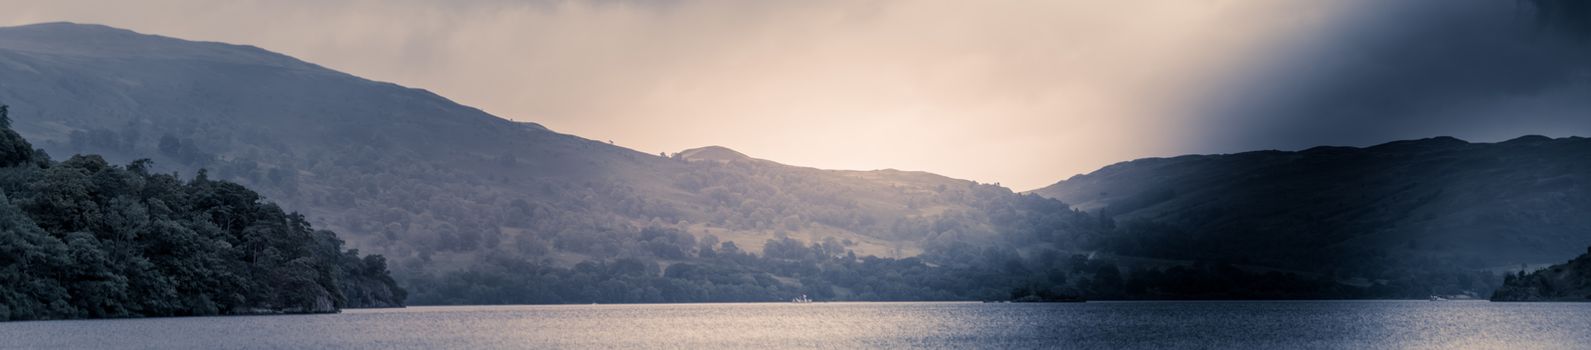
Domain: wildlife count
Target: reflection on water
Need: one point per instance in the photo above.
(1145, 325)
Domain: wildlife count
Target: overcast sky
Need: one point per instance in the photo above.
(1024, 93)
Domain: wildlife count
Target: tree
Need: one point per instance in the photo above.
(84, 238)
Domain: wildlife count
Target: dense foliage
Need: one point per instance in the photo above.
(679, 268)
(83, 238)
(1569, 281)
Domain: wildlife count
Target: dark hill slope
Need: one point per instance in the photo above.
(1569, 281)
(1363, 212)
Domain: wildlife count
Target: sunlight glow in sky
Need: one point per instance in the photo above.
(1024, 93)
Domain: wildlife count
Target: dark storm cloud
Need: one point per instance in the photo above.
(1568, 17)
(1483, 70)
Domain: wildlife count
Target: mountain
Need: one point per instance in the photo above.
(472, 208)
(439, 187)
(1437, 204)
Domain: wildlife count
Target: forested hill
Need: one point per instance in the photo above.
(1389, 210)
(436, 186)
(1569, 281)
(83, 238)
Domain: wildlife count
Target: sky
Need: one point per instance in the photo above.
(1022, 93)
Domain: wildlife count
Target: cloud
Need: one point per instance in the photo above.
(1476, 69)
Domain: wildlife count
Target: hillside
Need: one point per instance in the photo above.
(434, 185)
(86, 239)
(1387, 210)
(714, 154)
(1569, 281)
(472, 208)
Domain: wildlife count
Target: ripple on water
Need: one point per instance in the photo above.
(1142, 325)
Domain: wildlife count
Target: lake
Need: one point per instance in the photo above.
(1140, 325)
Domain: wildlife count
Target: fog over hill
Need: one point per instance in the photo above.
(1476, 205)
(432, 184)
(471, 208)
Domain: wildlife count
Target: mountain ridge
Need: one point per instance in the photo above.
(428, 182)
(1441, 193)
(713, 153)
(51, 38)
(472, 208)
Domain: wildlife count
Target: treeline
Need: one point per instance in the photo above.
(1569, 281)
(1035, 256)
(86, 239)
(788, 268)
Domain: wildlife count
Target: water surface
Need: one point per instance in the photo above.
(1132, 325)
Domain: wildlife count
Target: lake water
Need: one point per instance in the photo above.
(1139, 325)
